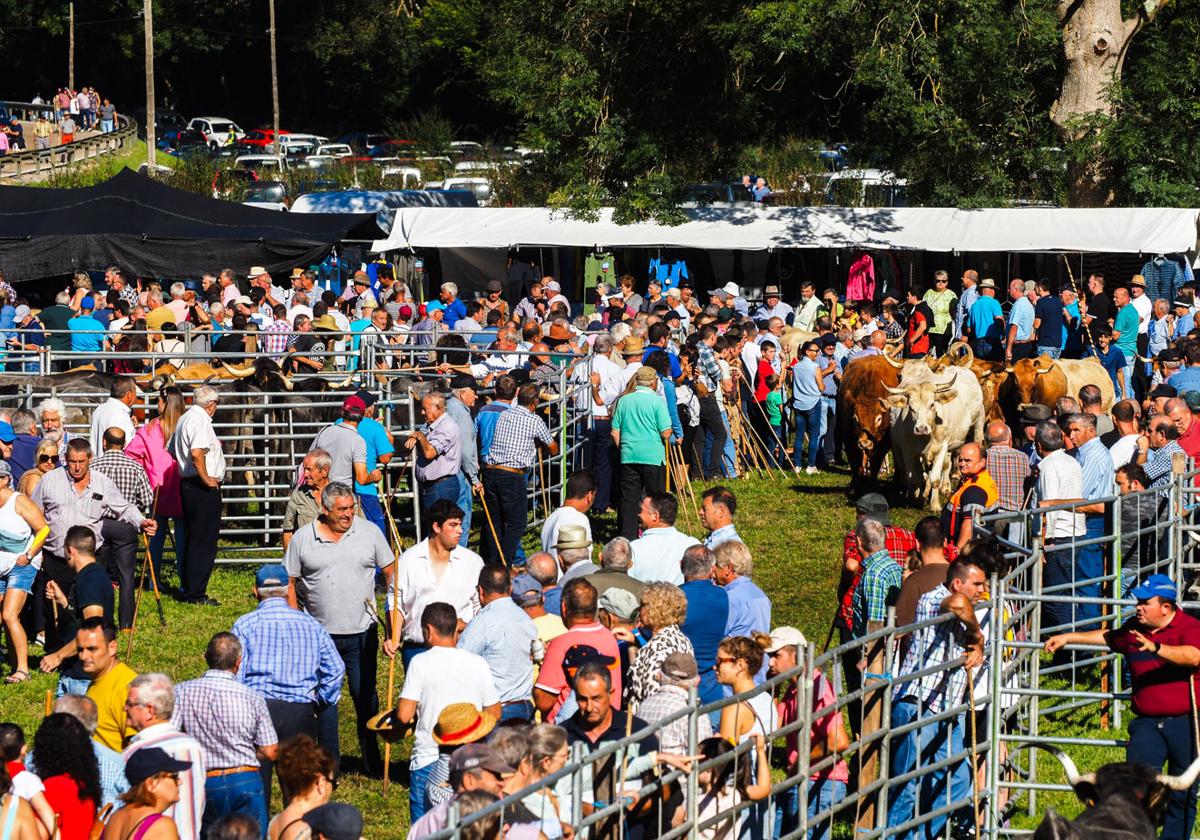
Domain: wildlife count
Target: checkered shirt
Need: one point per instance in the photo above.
(710, 372)
(931, 646)
(1009, 468)
(503, 635)
(275, 338)
(663, 702)
(514, 442)
(227, 718)
(893, 330)
(128, 294)
(877, 590)
(898, 542)
(129, 476)
(287, 655)
(1158, 467)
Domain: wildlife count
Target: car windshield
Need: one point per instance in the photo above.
(222, 126)
(269, 192)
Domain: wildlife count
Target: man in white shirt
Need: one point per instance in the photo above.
(197, 451)
(581, 495)
(657, 552)
(1060, 477)
(438, 677)
(1125, 416)
(605, 374)
(809, 308)
(437, 569)
(115, 412)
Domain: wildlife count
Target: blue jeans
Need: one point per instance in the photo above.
(829, 428)
(822, 796)
(464, 502)
(1128, 394)
(159, 541)
(373, 511)
(418, 780)
(71, 685)
(1167, 740)
(517, 711)
(1052, 352)
(808, 421)
(360, 654)
(234, 794)
(106, 126)
(1089, 563)
(927, 744)
(729, 459)
(433, 491)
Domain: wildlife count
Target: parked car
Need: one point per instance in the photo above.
(335, 150)
(363, 141)
(269, 195)
(164, 120)
(408, 176)
(393, 148)
(866, 188)
(227, 182)
(270, 163)
(217, 131)
(182, 142)
(292, 144)
(481, 187)
(260, 138)
(467, 149)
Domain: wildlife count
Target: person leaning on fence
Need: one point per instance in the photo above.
(438, 451)
(976, 494)
(940, 644)
(1140, 513)
(1161, 645)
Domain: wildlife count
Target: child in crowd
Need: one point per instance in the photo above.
(25, 785)
(774, 403)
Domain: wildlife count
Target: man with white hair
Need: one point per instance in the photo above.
(51, 412)
(453, 308)
(197, 451)
(149, 708)
(177, 305)
(54, 319)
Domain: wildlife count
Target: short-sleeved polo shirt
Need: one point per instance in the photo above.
(1160, 688)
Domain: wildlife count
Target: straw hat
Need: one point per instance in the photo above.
(634, 346)
(462, 723)
(572, 536)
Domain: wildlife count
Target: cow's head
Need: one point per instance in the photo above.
(1024, 375)
(922, 401)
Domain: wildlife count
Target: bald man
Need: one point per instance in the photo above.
(1009, 468)
(976, 493)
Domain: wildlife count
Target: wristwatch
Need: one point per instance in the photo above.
(1157, 647)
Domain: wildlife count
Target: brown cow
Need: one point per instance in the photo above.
(1037, 380)
(863, 423)
(992, 376)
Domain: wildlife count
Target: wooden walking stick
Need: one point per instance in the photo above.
(1075, 286)
(394, 621)
(974, 748)
(492, 527)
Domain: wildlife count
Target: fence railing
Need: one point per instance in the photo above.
(34, 161)
(968, 760)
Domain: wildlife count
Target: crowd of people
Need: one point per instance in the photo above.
(536, 645)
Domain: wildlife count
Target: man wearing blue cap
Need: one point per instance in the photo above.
(1161, 645)
(87, 333)
(288, 658)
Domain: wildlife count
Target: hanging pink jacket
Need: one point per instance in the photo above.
(861, 283)
(149, 448)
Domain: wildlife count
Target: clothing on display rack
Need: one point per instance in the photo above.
(600, 268)
(668, 270)
(1163, 276)
(860, 283)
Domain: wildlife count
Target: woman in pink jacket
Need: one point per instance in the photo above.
(149, 448)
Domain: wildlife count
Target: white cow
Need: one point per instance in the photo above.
(932, 416)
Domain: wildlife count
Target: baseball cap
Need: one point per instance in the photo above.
(1171, 354)
(272, 574)
(22, 312)
(5, 469)
(721, 293)
(434, 305)
(1156, 586)
(6, 432)
(873, 506)
(1192, 398)
(367, 397)
(781, 637)
(494, 286)
(88, 302)
(680, 666)
(619, 602)
(553, 286)
(645, 375)
(335, 821)
(526, 590)
(354, 405)
(405, 311)
(463, 380)
(149, 762)
(1186, 304)
(478, 756)
(579, 655)
(724, 315)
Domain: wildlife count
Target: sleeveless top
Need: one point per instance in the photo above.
(139, 831)
(14, 534)
(10, 817)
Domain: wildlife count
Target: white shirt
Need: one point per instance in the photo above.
(1145, 311)
(806, 314)
(609, 372)
(1061, 477)
(195, 431)
(109, 414)
(1123, 450)
(298, 310)
(565, 515)
(419, 587)
(656, 555)
(435, 679)
(751, 353)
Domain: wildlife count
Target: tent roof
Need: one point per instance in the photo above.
(157, 231)
(752, 227)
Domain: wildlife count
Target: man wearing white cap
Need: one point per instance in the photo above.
(828, 737)
(730, 295)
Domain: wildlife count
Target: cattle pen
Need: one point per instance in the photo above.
(266, 419)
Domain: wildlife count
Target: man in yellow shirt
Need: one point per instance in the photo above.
(96, 646)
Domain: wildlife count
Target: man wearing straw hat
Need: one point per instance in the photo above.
(641, 427)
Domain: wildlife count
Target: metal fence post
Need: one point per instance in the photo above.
(804, 711)
(996, 711)
(693, 776)
(868, 756)
(1038, 558)
(885, 745)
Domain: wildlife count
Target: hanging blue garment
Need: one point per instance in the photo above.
(668, 271)
(1163, 278)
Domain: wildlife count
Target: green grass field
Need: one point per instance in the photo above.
(794, 526)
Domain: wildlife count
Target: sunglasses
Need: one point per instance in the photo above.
(52, 456)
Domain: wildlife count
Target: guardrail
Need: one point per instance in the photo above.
(35, 161)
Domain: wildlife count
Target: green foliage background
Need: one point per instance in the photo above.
(634, 99)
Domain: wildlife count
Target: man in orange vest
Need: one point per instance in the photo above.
(976, 493)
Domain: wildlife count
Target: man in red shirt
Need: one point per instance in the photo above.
(1161, 645)
(553, 687)
(920, 319)
(1182, 412)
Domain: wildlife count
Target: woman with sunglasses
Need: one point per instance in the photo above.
(45, 458)
(739, 658)
(154, 787)
(22, 531)
(306, 778)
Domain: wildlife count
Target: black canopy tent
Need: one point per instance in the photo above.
(154, 230)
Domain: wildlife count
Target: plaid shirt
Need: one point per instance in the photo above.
(1009, 468)
(514, 442)
(877, 590)
(710, 372)
(1158, 467)
(129, 295)
(275, 338)
(930, 646)
(227, 718)
(898, 542)
(287, 655)
(128, 475)
(665, 701)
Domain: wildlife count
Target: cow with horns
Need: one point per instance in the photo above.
(1125, 801)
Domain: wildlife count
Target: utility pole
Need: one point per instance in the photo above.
(148, 14)
(71, 46)
(275, 84)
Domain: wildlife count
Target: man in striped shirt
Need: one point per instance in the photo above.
(149, 709)
(288, 658)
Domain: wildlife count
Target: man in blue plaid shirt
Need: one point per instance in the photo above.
(881, 577)
(940, 644)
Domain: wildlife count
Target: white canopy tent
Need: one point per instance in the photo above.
(756, 228)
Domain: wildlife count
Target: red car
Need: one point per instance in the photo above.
(260, 138)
